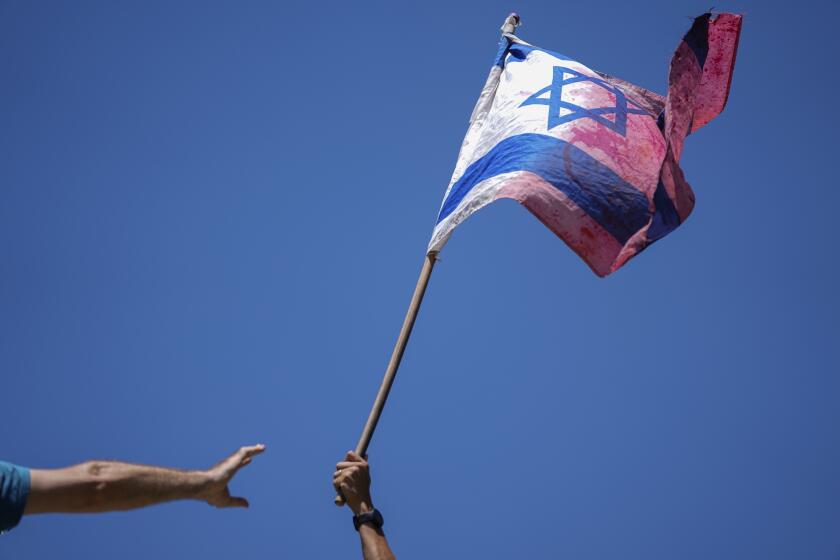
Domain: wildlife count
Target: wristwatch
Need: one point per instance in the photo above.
(371, 518)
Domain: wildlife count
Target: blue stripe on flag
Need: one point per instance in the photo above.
(619, 207)
(665, 217)
(697, 38)
(504, 43)
(519, 52)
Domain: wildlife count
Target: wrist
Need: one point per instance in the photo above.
(198, 484)
(363, 506)
(370, 520)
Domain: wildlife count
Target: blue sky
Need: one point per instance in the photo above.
(212, 218)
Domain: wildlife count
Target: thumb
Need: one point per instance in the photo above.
(237, 502)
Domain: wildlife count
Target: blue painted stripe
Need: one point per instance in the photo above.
(665, 217)
(697, 38)
(618, 206)
(519, 52)
(504, 43)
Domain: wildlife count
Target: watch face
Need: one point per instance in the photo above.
(373, 517)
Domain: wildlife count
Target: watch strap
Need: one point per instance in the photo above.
(373, 517)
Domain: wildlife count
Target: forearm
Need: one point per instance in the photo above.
(99, 486)
(374, 544)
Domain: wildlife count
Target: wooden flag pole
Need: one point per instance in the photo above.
(508, 27)
(394, 363)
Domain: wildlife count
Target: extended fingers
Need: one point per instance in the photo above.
(229, 466)
(243, 455)
(249, 451)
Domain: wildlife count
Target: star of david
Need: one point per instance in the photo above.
(560, 112)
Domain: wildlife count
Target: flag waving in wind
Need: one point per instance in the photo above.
(595, 158)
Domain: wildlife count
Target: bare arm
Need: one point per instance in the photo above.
(374, 544)
(98, 486)
(352, 479)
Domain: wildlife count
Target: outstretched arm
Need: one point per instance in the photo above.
(98, 486)
(352, 479)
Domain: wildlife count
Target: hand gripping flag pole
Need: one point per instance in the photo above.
(511, 22)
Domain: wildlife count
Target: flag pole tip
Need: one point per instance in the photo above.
(511, 23)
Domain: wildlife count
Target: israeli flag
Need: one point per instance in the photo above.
(586, 153)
